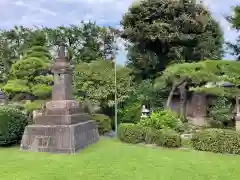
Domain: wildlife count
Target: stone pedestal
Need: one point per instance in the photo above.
(59, 138)
(62, 128)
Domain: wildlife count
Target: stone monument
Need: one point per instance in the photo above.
(63, 127)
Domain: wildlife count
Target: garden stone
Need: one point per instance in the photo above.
(186, 136)
(64, 126)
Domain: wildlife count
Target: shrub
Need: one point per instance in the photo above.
(34, 105)
(161, 120)
(131, 133)
(152, 135)
(104, 123)
(221, 113)
(168, 138)
(188, 128)
(15, 105)
(12, 125)
(217, 140)
(131, 113)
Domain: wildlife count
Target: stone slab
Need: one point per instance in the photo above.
(59, 138)
(61, 119)
(63, 107)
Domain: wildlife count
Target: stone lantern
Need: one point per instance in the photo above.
(145, 112)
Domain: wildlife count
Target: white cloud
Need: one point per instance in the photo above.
(58, 12)
(106, 12)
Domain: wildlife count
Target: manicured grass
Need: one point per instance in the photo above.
(112, 160)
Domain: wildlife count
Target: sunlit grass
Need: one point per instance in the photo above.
(113, 160)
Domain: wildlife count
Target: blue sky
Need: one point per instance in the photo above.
(105, 12)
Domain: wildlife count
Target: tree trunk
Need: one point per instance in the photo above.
(183, 100)
(169, 100)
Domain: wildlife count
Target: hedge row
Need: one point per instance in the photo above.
(103, 122)
(212, 140)
(217, 140)
(132, 133)
(12, 124)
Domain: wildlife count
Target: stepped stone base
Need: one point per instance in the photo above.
(59, 138)
(61, 119)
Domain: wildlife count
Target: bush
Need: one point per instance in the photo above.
(15, 105)
(188, 128)
(104, 123)
(131, 133)
(12, 125)
(34, 105)
(131, 113)
(161, 120)
(168, 138)
(217, 140)
(221, 113)
(152, 135)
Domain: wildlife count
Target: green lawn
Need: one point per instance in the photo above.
(112, 160)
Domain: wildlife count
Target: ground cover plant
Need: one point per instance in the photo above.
(111, 159)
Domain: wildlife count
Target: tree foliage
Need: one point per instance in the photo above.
(86, 42)
(166, 31)
(210, 77)
(97, 79)
(31, 74)
(221, 111)
(235, 22)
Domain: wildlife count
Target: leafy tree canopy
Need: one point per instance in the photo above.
(31, 74)
(235, 22)
(212, 77)
(97, 79)
(172, 31)
(86, 42)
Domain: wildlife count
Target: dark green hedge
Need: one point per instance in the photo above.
(168, 138)
(217, 140)
(152, 135)
(131, 133)
(12, 125)
(104, 123)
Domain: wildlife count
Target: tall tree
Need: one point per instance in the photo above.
(235, 21)
(168, 31)
(207, 76)
(86, 41)
(98, 81)
(11, 48)
(30, 77)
